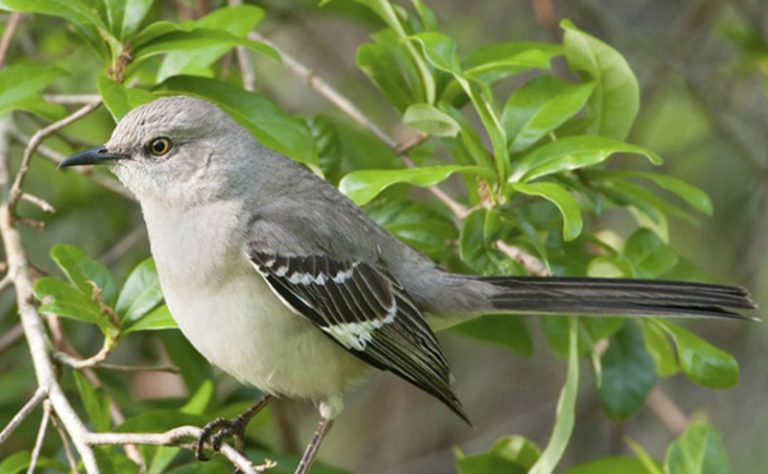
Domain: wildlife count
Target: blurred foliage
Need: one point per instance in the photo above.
(532, 137)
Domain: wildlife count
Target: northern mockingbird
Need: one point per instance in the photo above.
(281, 281)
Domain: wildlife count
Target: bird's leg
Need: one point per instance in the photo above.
(309, 454)
(219, 429)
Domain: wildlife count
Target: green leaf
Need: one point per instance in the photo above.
(699, 450)
(95, 401)
(363, 185)
(328, 146)
(694, 196)
(613, 106)
(509, 454)
(21, 85)
(237, 20)
(74, 11)
(504, 330)
(19, 461)
(63, 300)
(539, 107)
(270, 124)
(389, 65)
(115, 10)
(440, 50)
(38, 106)
(120, 99)
(135, 11)
(140, 293)
(196, 39)
(702, 362)
(610, 465)
(660, 348)
(628, 374)
(478, 249)
(560, 197)
(82, 271)
(496, 61)
(651, 465)
(431, 120)
(566, 409)
(159, 318)
(415, 223)
(648, 254)
(573, 152)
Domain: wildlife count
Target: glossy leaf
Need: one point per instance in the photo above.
(565, 415)
(363, 185)
(430, 120)
(135, 11)
(120, 99)
(83, 272)
(74, 11)
(539, 107)
(628, 374)
(196, 39)
(416, 224)
(659, 346)
(478, 249)
(560, 197)
(270, 124)
(20, 85)
(440, 50)
(496, 61)
(328, 146)
(140, 293)
(509, 454)
(159, 318)
(503, 330)
(648, 254)
(702, 362)
(699, 450)
(613, 106)
(388, 63)
(63, 300)
(95, 401)
(610, 465)
(573, 152)
(237, 20)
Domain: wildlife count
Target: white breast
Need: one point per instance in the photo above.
(228, 312)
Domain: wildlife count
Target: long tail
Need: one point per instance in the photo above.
(608, 296)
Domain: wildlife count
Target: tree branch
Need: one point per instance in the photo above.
(28, 408)
(10, 30)
(11, 337)
(175, 437)
(40, 437)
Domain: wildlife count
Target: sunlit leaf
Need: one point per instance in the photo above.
(431, 120)
(61, 299)
(20, 85)
(702, 362)
(560, 197)
(613, 106)
(120, 99)
(609, 465)
(699, 450)
(159, 318)
(363, 185)
(504, 330)
(84, 272)
(95, 401)
(140, 293)
(510, 455)
(573, 152)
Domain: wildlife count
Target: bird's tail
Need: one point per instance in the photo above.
(608, 296)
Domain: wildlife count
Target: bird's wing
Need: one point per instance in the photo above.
(358, 304)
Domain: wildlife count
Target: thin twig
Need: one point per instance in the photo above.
(71, 99)
(10, 30)
(175, 437)
(56, 157)
(65, 443)
(15, 191)
(668, 411)
(533, 265)
(40, 437)
(244, 59)
(117, 251)
(11, 337)
(79, 364)
(28, 407)
(138, 368)
(44, 205)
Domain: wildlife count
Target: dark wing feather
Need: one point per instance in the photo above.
(365, 310)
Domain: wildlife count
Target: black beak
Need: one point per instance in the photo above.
(94, 156)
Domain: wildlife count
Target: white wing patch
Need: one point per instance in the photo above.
(357, 335)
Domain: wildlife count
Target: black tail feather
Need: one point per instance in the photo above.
(608, 296)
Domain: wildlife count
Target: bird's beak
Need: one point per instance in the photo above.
(94, 156)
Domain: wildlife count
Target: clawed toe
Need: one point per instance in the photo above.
(216, 432)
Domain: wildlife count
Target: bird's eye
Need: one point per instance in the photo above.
(160, 146)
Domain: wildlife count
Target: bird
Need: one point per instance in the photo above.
(280, 280)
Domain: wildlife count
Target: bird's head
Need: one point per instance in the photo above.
(174, 150)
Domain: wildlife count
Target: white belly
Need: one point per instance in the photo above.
(229, 314)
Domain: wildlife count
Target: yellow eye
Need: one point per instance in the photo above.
(160, 146)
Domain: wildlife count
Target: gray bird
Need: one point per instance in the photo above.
(281, 281)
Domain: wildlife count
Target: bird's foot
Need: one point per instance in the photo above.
(215, 432)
